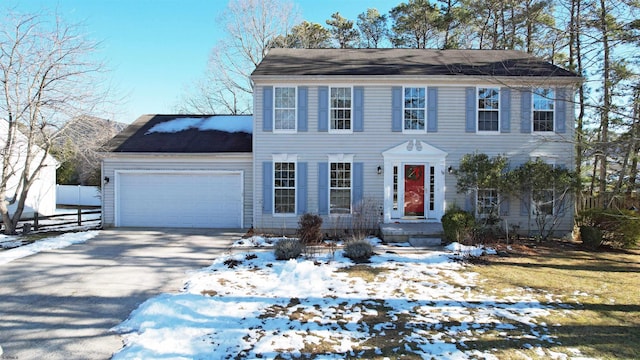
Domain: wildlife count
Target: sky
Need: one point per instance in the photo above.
(155, 49)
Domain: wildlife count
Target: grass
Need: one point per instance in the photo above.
(598, 289)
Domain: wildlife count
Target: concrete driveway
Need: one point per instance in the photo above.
(61, 304)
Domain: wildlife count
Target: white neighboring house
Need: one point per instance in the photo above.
(41, 197)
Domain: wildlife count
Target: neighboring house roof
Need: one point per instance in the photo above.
(407, 62)
(185, 134)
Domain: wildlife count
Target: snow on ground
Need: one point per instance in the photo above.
(57, 242)
(248, 305)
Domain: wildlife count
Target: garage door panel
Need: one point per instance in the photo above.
(180, 199)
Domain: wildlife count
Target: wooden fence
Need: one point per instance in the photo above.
(609, 201)
(82, 216)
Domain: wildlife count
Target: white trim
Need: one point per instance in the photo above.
(533, 110)
(330, 124)
(284, 158)
(116, 186)
(413, 152)
(346, 159)
(340, 158)
(415, 131)
(477, 107)
(295, 111)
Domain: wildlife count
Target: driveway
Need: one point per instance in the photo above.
(61, 304)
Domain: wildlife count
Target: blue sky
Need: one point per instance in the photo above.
(157, 48)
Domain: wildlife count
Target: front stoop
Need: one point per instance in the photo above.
(417, 234)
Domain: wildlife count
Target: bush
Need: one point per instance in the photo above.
(358, 250)
(620, 228)
(286, 249)
(458, 225)
(591, 237)
(309, 229)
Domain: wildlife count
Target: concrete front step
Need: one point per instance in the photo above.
(403, 232)
(425, 242)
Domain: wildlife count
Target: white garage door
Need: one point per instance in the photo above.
(180, 199)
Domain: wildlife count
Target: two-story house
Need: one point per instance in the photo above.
(337, 128)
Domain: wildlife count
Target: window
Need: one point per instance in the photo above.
(487, 203)
(543, 109)
(340, 188)
(284, 108)
(543, 201)
(340, 108)
(414, 108)
(284, 187)
(488, 109)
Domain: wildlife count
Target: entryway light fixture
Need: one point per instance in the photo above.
(450, 169)
(106, 180)
(379, 170)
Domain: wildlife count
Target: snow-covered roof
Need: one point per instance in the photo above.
(185, 134)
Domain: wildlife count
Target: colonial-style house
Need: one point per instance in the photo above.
(338, 130)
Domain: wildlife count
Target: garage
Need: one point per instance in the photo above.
(191, 199)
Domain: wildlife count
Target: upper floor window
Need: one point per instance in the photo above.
(543, 106)
(284, 187)
(340, 187)
(414, 108)
(284, 108)
(340, 108)
(488, 109)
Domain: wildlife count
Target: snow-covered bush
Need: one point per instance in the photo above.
(286, 249)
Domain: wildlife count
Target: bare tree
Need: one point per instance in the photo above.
(250, 26)
(47, 74)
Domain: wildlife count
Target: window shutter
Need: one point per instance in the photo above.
(358, 184)
(525, 111)
(560, 115)
(358, 108)
(303, 108)
(396, 109)
(525, 204)
(301, 189)
(504, 207)
(432, 109)
(323, 108)
(469, 200)
(505, 110)
(267, 187)
(470, 107)
(563, 205)
(323, 188)
(267, 108)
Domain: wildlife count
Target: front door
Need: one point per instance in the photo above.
(414, 180)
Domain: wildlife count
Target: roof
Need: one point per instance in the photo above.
(407, 62)
(185, 134)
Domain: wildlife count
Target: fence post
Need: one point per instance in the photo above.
(79, 216)
(35, 221)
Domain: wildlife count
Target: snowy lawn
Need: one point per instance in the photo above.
(402, 304)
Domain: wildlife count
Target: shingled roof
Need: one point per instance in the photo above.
(407, 62)
(184, 134)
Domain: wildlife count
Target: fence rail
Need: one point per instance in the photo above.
(83, 216)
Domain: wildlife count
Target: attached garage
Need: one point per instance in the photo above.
(179, 199)
(181, 171)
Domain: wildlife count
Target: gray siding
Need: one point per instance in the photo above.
(116, 162)
(313, 146)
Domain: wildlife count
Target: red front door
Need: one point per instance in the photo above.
(414, 190)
